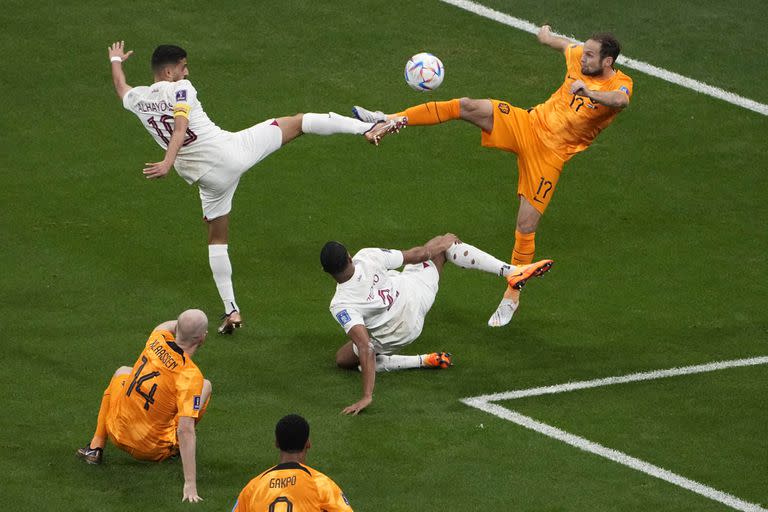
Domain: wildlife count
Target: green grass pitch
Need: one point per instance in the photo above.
(658, 232)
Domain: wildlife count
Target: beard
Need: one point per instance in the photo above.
(596, 72)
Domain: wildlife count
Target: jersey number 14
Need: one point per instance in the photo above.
(138, 380)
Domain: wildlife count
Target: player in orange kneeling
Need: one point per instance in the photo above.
(544, 137)
(150, 410)
(292, 485)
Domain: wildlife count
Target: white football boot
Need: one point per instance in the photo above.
(367, 116)
(503, 314)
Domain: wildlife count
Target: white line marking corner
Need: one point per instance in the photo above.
(485, 404)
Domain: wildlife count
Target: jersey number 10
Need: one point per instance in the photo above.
(165, 121)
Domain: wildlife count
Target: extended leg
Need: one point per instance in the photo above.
(92, 454)
(477, 112)
(347, 359)
(332, 123)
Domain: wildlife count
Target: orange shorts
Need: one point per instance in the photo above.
(121, 429)
(539, 167)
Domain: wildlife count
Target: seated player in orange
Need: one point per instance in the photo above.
(150, 410)
(292, 485)
(543, 137)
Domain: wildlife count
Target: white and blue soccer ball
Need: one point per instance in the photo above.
(424, 72)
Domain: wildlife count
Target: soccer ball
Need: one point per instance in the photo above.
(424, 72)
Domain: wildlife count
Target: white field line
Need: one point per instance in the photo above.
(656, 374)
(643, 67)
(484, 403)
(614, 455)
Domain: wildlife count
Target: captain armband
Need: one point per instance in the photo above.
(181, 109)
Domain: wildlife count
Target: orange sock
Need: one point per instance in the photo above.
(100, 436)
(433, 112)
(522, 254)
(525, 247)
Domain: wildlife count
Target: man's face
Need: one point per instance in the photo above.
(178, 71)
(591, 64)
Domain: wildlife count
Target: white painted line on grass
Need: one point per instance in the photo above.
(484, 403)
(656, 374)
(614, 455)
(643, 67)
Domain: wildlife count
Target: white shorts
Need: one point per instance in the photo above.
(418, 286)
(422, 281)
(238, 152)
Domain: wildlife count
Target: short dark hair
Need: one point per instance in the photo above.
(609, 45)
(166, 54)
(333, 257)
(292, 433)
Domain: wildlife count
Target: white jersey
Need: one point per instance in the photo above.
(155, 106)
(376, 297)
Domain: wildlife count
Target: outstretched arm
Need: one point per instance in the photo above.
(117, 55)
(427, 251)
(160, 169)
(187, 443)
(545, 36)
(360, 337)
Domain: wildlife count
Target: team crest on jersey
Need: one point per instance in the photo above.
(343, 317)
(504, 107)
(181, 95)
(624, 90)
(196, 403)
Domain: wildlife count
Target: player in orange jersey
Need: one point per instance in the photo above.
(150, 410)
(292, 485)
(544, 137)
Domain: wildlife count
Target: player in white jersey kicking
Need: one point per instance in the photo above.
(383, 310)
(210, 157)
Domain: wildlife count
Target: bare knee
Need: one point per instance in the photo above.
(290, 126)
(527, 225)
(218, 230)
(528, 217)
(346, 358)
(207, 390)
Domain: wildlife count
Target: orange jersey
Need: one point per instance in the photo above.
(567, 124)
(164, 384)
(291, 487)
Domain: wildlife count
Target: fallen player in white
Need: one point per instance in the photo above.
(383, 310)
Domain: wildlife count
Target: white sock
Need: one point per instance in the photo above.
(469, 256)
(331, 123)
(394, 363)
(222, 275)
